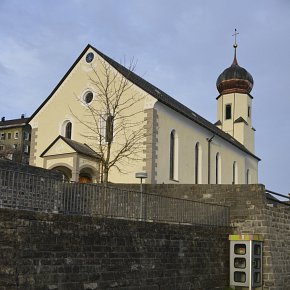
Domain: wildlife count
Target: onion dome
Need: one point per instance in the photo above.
(235, 79)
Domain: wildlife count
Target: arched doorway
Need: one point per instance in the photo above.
(66, 172)
(85, 178)
(86, 175)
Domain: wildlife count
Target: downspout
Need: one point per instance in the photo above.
(208, 158)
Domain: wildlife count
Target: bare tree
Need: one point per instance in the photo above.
(115, 122)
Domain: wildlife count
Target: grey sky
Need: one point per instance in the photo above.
(181, 47)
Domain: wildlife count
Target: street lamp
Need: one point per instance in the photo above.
(141, 176)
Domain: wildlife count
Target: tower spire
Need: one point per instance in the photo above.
(235, 62)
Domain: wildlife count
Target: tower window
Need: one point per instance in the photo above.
(228, 111)
(249, 111)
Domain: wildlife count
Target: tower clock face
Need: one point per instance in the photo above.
(89, 57)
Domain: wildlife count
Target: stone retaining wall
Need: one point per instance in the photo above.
(52, 251)
(250, 212)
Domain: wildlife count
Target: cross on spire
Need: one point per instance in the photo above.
(235, 35)
(235, 62)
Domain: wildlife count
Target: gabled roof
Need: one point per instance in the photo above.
(80, 148)
(21, 122)
(157, 93)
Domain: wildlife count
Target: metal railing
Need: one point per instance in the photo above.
(22, 190)
(271, 195)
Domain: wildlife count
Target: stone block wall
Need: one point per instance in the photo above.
(52, 251)
(250, 212)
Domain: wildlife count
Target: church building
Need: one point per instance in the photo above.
(100, 102)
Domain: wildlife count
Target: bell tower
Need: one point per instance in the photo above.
(234, 103)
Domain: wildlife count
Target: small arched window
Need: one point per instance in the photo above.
(172, 154)
(248, 177)
(217, 168)
(68, 130)
(235, 173)
(197, 163)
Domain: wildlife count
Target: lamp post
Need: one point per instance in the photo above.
(141, 176)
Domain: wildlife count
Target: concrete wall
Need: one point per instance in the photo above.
(45, 251)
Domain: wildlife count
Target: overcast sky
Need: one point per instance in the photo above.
(181, 47)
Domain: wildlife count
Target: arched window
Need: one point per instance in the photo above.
(68, 130)
(172, 155)
(248, 177)
(197, 163)
(218, 168)
(235, 173)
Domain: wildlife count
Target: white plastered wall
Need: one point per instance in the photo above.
(65, 105)
(188, 134)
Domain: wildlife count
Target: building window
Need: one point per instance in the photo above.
(68, 130)
(228, 111)
(26, 136)
(235, 173)
(248, 177)
(9, 136)
(26, 149)
(197, 166)
(16, 135)
(172, 154)
(15, 146)
(110, 129)
(2, 147)
(249, 111)
(88, 97)
(89, 57)
(2, 136)
(107, 124)
(217, 169)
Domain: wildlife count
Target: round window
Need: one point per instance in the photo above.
(89, 57)
(88, 97)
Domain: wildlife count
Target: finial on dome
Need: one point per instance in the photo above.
(235, 62)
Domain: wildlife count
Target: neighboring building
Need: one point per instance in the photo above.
(15, 139)
(179, 146)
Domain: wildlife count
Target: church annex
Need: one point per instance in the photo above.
(175, 144)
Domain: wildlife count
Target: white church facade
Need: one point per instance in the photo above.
(175, 144)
